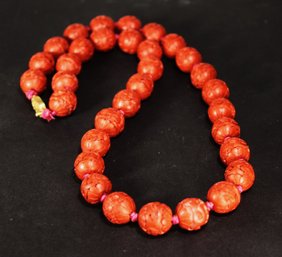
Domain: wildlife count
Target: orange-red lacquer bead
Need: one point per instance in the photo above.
(129, 40)
(64, 81)
(76, 30)
(56, 46)
(69, 63)
(153, 31)
(33, 80)
(221, 107)
(186, 58)
(172, 43)
(213, 89)
(201, 73)
(101, 22)
(63, 103)
(83, 48)
(152, 66)
(128, 22)
(104, 39)
(149, 48)
(42, 61)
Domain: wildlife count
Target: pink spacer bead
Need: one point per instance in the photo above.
(86, 175)
(103, 197)
(209, 205)
(133, 216)
(175, 220)
(48, 115)
(117, 36)
(30, 93)
(121, 111)
(240, 188)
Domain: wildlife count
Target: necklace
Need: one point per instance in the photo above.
(78, 44)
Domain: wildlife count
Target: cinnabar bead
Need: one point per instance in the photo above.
(95, 141)
(69, 63)
(201, 73)
(224, 127)
(56, 46)
(192, 213)
(94, 186)
(110, 120)
(234, 148)
(213, 89)
(33, 80)
(104, 39)
(152, 66)
(155, 218)
(225, 197)
(101, 22)
(64, 81)
(142, 84)
(172, 43)
(117, 207)
(149, 48)
(83, 48)
(129, 40)
(240, 173)
(42, 61)
(88, 163)
(127, 101)
(128, 22)
(219, 108)
(63, 103)
(76, 30)
(186, 58)
(153, 31)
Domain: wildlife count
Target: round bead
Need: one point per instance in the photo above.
(155, 218)
(110, 120)
(187, 57)
(220, 108)
(83, 48)
(225, 197)
(127, 101)
(223, 128)
(56, 46)
(117, 207)
(192, 213)
(103, 39)
(64, 81)
(69, 63)
(240, 173)
(142, 84)
(63, 103)
(201, 73)
(33, 80)
(88, 163)
(153, 31)
(76, 30)
(149, 48)
(172, 43)
(94, 186)
(128, 22)
(234, 148)
(129, 41)
(213, 89)
(101, 22)
(42, 61)
(95, 141)
(152, 66)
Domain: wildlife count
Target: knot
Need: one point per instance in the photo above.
(30, 93)
(209, 205)
(117, 36)
(103, 197)
(133, 216)
(48, 115)
(175, 219)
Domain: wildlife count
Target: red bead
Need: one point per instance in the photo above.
(220, 108)
(224, 127)
(128, 22)
(88, 163)
(83, 48)
(63, 103)
(155, 218)
(33, 80)
(192, 214)
(129, 41)
(69, 63)
(149, 48)
(234, 148)
(95, 141)
(110, 120)
(240, 173)
(153, 31)
(152, 66)
(94, 186)
(103, 39)
(76, 30)
(187, 57)
(127, 101)
(225, 197)
(101, 22)
(213, 89)
(172, 43)
(201, 73)
(142, 84)
(56, 46)
(64, 81)
(117, 207)
(42, 61)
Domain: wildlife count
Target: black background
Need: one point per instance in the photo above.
(165, 153)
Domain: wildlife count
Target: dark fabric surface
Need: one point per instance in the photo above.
(165, 153)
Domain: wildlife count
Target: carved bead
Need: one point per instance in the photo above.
(128, 22)
(152, 66)
(33, 80)
(186, 58)
(76, 30)
(219, 108)
(64, 81)
(42, 61)
(129, 41)
(101, 22)
(201, 73)
(213, 89)
(103, 39)
(149, 48)
(56, 46)
(69, 63)
(83, 48)
(63, 103)
(172, 43)
(153, 31)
